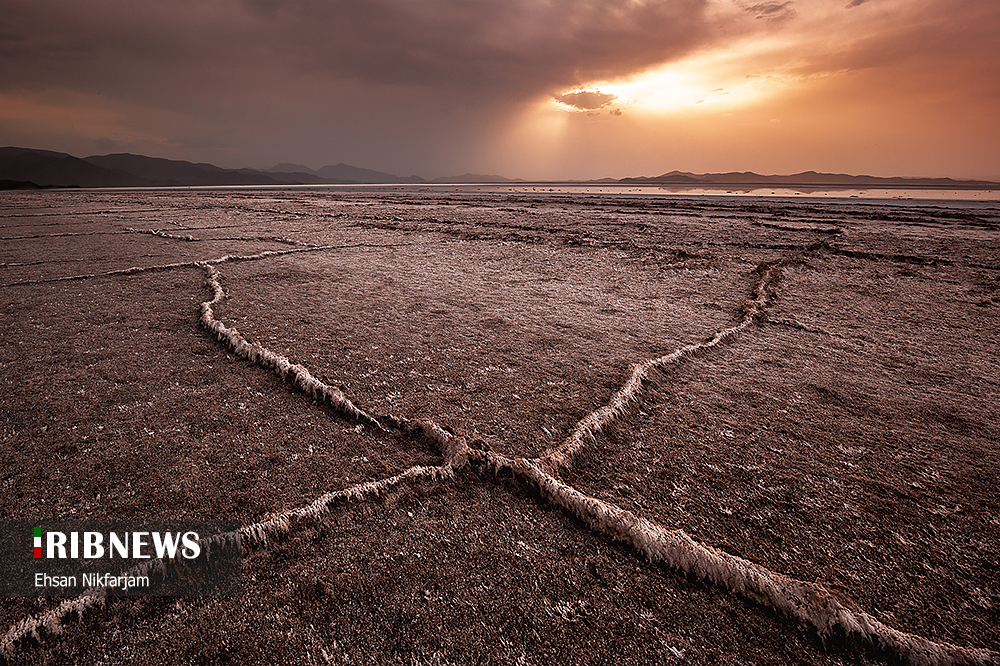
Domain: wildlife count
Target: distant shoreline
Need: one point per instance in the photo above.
(27, 168)
(807, 195)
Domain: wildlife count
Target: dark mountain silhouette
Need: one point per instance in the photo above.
(18, 185)
(45, 167)
(176, 172)
(346, 173)
(298, 178)
(287, 167)
(672, 177)
(806, 178)
(475, 178)
(27, 168)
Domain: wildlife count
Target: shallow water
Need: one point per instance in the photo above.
(916, 195)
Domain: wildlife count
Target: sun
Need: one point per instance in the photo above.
(730, 77)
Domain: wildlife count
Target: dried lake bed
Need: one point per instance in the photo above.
(846, 435)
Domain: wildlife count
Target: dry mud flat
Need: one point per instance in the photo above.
(845, 434)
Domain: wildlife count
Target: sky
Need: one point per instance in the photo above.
(536, 89)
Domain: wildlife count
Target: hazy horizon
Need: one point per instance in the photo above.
(560, 90)
(286, 167)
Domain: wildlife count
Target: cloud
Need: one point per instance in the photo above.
(586, 100)
(509, 47)
(514, 44)
(428, 86)
(773, 11)
(394, 84)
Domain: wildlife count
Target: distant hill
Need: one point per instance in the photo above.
(286, 167)
(45, 168)
(27, 168)
(18, 185)
(475, 178)
(806, 178)
(342, 173)
(299, 178)
(346, 173)
(176, 172)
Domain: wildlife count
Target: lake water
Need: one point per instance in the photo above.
(917, 196)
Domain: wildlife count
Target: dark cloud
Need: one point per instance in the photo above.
(586, 100)
(403, 80)
(431, 86)
(772, 11)
(513, 44)
(505, 46)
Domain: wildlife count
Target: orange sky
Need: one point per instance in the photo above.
(546, 89)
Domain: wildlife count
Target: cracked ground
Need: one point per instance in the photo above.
(848, 436)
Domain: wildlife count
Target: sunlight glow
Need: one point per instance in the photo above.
(738, 75)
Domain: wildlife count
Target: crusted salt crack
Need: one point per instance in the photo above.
(806, 602)
(809, 603)
(258, 355)
(593, 423)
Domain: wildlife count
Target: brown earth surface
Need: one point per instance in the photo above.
(849, 437)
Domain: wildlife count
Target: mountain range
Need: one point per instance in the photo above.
(804, 179)
(339, 173)
(30, 168)
(45, 168)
